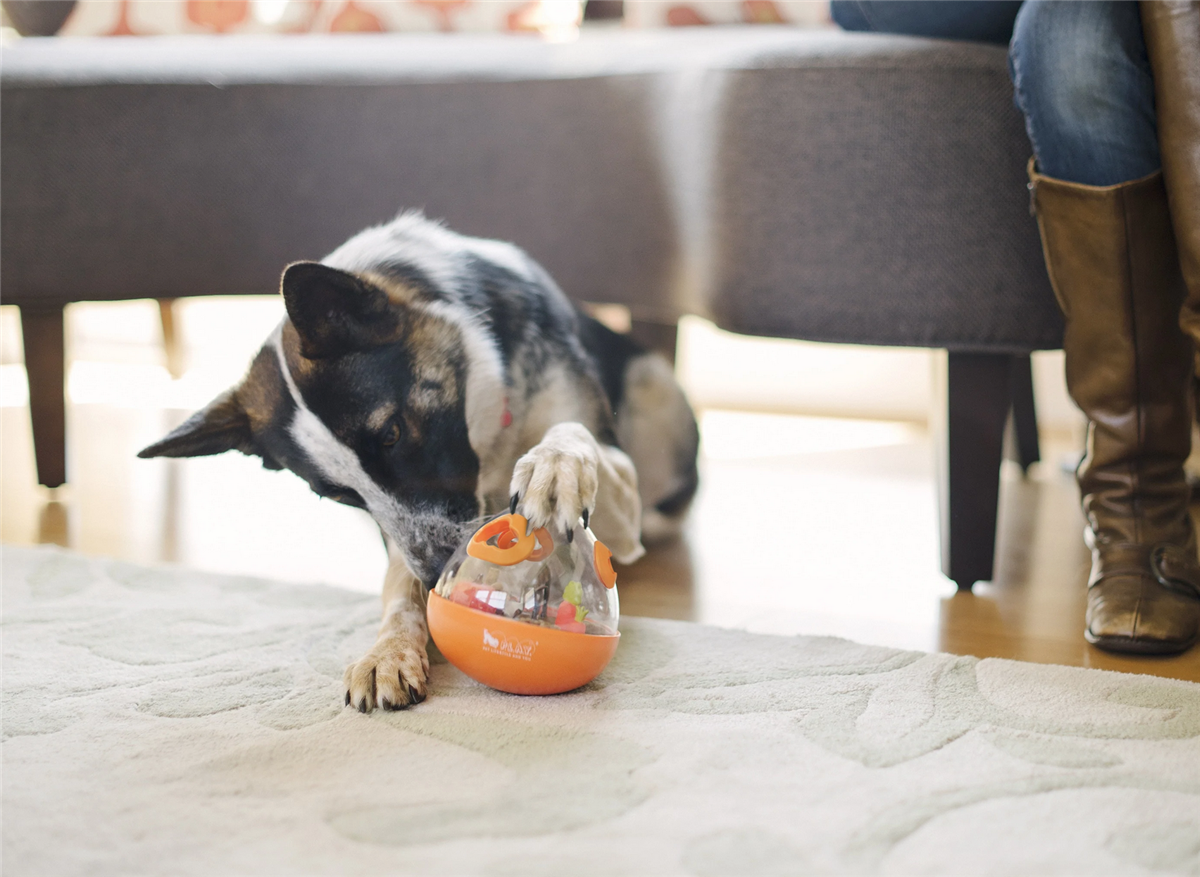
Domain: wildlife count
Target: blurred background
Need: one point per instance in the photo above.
(816, 460)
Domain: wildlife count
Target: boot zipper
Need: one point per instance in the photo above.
(1032, 187)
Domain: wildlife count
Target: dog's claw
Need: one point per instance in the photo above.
(585, 519)
(362, 705)
(571, 534)
(347, 698)
(512, 503)
(415, 696)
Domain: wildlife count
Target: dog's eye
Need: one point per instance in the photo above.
(391, 435)
(335, 492)
(350, 498)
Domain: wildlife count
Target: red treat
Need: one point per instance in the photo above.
(478, 597)
(564, 619)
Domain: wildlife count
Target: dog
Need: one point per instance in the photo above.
(434, 379)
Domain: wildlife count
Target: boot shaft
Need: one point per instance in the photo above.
(1113, 264)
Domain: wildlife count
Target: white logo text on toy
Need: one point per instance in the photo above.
(499, 644)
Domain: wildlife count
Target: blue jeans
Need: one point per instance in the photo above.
(1080, 73)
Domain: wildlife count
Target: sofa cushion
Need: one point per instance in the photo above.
(876, 197)
(196, 165)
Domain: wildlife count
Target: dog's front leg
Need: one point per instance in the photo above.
(568, 472)
(393, 674)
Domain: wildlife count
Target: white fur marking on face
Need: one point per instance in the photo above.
(341, 466)
(485, 378)
(440, 254)
(337, 462)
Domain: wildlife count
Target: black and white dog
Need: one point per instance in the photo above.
(431, 379)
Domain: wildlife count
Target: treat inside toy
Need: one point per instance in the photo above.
(541, 609)
(534, 577)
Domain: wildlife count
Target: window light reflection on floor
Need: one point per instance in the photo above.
(743, 435)
(765, 477)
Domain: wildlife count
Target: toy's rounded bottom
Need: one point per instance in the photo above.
(513, 656)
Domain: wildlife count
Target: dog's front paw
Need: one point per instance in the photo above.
(391, 676)
(556, 481)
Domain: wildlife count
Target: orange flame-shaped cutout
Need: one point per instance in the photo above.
(545, 544)
(513, 541)
(602, 561)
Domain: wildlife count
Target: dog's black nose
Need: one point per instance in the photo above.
(427, 562)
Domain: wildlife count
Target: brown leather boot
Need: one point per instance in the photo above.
(1111, 256)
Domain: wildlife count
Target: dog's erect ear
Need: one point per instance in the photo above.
(220, 426)
(335, 312)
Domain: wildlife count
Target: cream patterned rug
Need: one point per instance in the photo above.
(163, 721)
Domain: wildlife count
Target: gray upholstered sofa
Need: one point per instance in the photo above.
(806, 184)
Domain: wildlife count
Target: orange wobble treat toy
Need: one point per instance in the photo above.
(527, 612)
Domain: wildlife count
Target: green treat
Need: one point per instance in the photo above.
(573, 594)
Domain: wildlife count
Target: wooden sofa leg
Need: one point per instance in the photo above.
(1024, 414)
(660, 337)
(42, 333)
(172, 346)
(975, 391)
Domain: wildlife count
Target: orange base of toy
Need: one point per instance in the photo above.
(514, 656)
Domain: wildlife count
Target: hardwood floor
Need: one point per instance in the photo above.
(802, 525)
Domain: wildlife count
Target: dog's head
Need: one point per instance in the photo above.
(362, 392)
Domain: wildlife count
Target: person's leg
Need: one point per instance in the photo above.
(1080, 73)
(1082, 80)
(989, 21)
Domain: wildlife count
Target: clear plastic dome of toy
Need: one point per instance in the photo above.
(539, 578)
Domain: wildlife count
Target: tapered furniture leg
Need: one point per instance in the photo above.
(172, 347)
(42, 333)
(975, 391)
(660, 337)
(1024, 415)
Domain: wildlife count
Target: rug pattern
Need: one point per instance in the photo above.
(162, 720)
